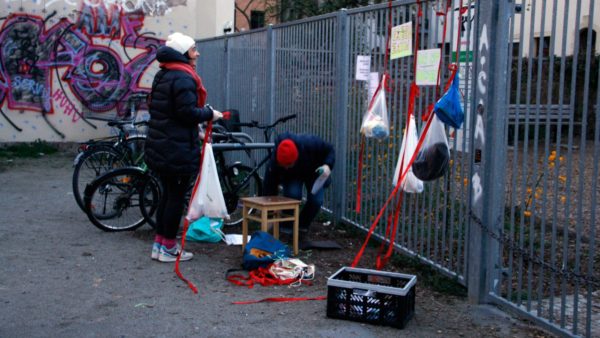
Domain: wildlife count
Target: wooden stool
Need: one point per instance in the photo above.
(265, 204)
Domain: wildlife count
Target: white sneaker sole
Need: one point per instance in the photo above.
(171, 259)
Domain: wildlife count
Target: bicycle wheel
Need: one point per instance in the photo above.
(239, 183)
(113, 201)
(91, 164)
(151, 193)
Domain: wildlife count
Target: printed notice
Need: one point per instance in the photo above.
(401, 42)
(363, 67)
(428, 62)
(373, 84)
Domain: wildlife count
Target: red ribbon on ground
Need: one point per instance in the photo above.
(186, 222)
(264, 277)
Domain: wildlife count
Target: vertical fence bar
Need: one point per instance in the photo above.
(271, 61)
(227, 65)
(341, 104)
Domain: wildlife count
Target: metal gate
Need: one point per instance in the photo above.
(514, 219)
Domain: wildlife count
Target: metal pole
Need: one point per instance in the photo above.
(341, 113)
(271, 71)
(489, 145)
(227, 67)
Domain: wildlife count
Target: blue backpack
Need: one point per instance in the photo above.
(262, 250)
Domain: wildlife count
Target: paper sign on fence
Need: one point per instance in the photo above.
(363, 67)
(428, 62)
(401, 42)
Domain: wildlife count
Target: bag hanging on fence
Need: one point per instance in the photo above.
(206, 229)
(208, 199)
(448, 108)
(411, 183)
(375, 123)
(434, 157)
(262, 250)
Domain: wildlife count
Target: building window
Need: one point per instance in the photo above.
(583, 40)
(257, 19)
(516, 53)
(544, 44)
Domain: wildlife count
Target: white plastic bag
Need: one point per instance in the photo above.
(433, 159)
(411, 183)
(375, 123)
(208, 200)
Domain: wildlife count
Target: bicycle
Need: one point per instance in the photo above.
(99, 156)
(240, 180)
(122, 199)
(125, 198)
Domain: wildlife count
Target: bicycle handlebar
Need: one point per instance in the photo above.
(122, 123)
(255, 124)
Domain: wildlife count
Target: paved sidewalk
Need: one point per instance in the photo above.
(62, 277)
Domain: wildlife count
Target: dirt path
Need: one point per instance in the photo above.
(62, 277)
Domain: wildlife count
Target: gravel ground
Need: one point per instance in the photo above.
(62, 277)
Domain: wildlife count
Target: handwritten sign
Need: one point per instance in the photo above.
(401, 41)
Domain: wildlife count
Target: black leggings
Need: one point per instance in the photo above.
(170, 207)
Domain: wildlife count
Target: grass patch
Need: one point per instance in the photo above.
(28, 150)
(430, 277)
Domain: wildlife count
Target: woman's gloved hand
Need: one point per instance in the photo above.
(217, 115)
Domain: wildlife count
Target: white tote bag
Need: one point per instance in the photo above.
(208, 200)
(411, 183)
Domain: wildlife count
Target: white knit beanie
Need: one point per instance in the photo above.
(180, 42)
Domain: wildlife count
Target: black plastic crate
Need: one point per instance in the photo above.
(370, 296)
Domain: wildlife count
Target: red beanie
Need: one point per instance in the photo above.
(287, 153)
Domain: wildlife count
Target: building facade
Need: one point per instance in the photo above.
(65, 66)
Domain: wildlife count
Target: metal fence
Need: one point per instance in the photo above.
(514, 219)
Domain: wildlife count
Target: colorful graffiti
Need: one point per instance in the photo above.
(90, 57)
(148, 7)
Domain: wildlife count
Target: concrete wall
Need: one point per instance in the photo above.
(64, 63)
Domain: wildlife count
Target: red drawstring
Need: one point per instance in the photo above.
(186, 222)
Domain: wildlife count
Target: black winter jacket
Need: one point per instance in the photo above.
(313, 152)
(172, 144)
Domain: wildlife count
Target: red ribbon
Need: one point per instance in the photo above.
(264, 277)
(186, 222)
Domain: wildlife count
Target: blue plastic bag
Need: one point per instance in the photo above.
(262, 250)
(448, 108)
(205, 229)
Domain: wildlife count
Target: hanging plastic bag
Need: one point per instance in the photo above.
(208, 200)
(375, 123)
(448, 108)
(434, 157)
(206, 229)
(411, 183)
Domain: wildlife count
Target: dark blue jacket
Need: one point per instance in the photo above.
(313, 152)
(172, 144)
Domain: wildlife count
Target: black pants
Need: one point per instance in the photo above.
(171, 205)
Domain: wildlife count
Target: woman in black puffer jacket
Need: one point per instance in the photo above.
(177, 106)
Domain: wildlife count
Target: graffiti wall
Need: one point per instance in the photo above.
(68, 66)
